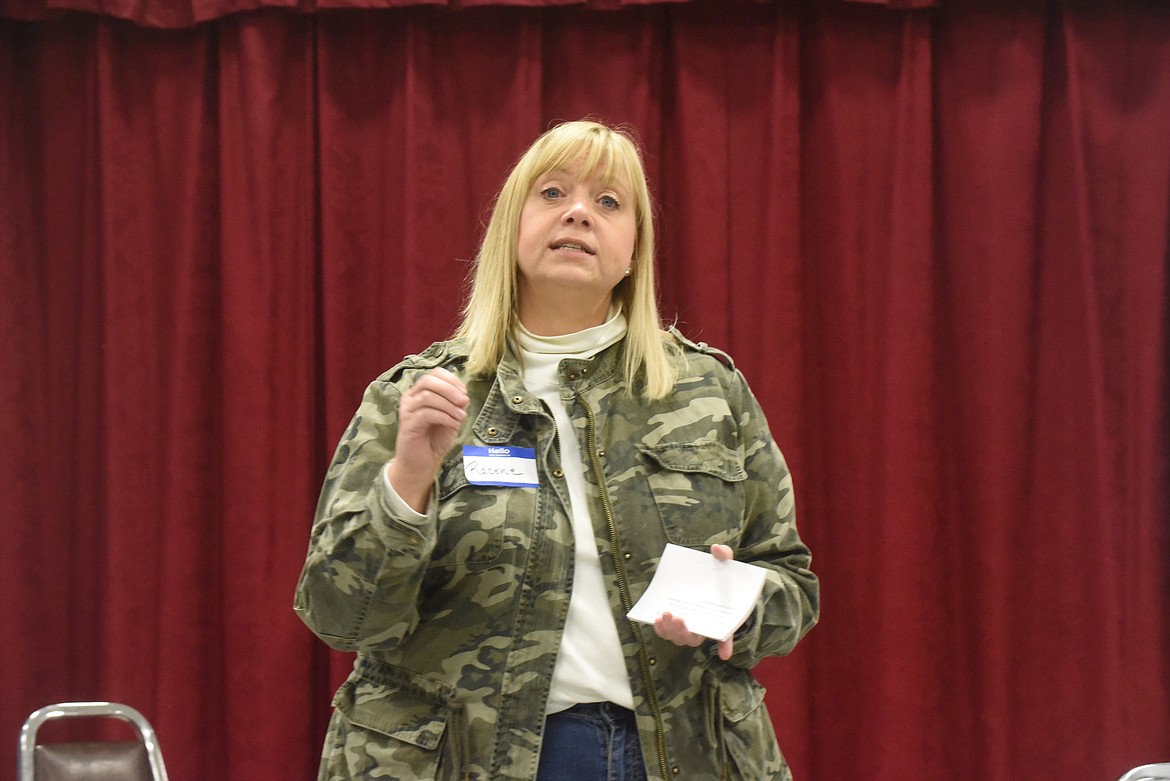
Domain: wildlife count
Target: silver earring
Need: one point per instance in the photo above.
(627, 271)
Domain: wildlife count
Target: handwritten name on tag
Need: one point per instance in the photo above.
(505, 465)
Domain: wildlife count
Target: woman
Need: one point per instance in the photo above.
(501, 500)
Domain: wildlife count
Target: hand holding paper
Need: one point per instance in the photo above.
(711, 596)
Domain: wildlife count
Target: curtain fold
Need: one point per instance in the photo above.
(936, 243)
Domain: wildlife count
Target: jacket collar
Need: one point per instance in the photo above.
(507, 399)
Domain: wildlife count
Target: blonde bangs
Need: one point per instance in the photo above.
(591, 151)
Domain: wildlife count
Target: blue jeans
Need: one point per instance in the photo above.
(596, 741)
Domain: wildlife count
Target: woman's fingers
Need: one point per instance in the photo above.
(722, 552)
(437, 395)
(674, 629)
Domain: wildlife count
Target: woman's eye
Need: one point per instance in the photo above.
(609, 202)
(551, 192)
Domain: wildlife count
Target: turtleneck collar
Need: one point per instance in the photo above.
(582, 343)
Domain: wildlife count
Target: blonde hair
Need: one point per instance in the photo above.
(490, 314)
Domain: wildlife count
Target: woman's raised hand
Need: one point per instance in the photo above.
(429, 417)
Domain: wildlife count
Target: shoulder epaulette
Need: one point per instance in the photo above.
(438, 354)
(704, 348)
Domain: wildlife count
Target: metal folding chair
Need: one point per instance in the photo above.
(1157, 772)
(137, 760)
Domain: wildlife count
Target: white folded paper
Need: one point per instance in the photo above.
(714, 597)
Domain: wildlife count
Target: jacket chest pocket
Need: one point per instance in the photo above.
(698, 489)
(473, 519)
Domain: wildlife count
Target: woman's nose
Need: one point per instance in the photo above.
(577, 213)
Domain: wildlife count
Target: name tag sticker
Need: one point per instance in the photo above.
(514, 466)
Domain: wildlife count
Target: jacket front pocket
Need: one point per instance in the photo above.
(398, 727)
(698, 490)
(472, 518)
(743, 731)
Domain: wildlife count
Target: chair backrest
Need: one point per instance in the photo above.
(138, 760)
(1156, 772)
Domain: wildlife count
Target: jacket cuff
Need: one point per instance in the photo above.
(401, 527)
(396, 507)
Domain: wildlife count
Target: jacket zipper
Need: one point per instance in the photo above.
(624, 590)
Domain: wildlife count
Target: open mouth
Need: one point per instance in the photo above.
(573, 246)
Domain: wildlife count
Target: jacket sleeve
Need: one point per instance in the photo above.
(790, 603)
(361, 579)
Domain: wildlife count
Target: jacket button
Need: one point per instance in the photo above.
(517, 399)
(601, 453)
(557, 473)
(674, 771)
(653, 661)
(584, 372)
(627, 556)
(492, 431)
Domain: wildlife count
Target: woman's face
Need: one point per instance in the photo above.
(576, 238)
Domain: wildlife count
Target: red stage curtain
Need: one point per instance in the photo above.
(185, 13)
(936, 242)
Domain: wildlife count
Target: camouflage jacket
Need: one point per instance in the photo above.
(456, 622)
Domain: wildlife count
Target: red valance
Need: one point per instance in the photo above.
(187, 13)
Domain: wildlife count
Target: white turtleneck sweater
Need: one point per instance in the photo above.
(590, 665)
